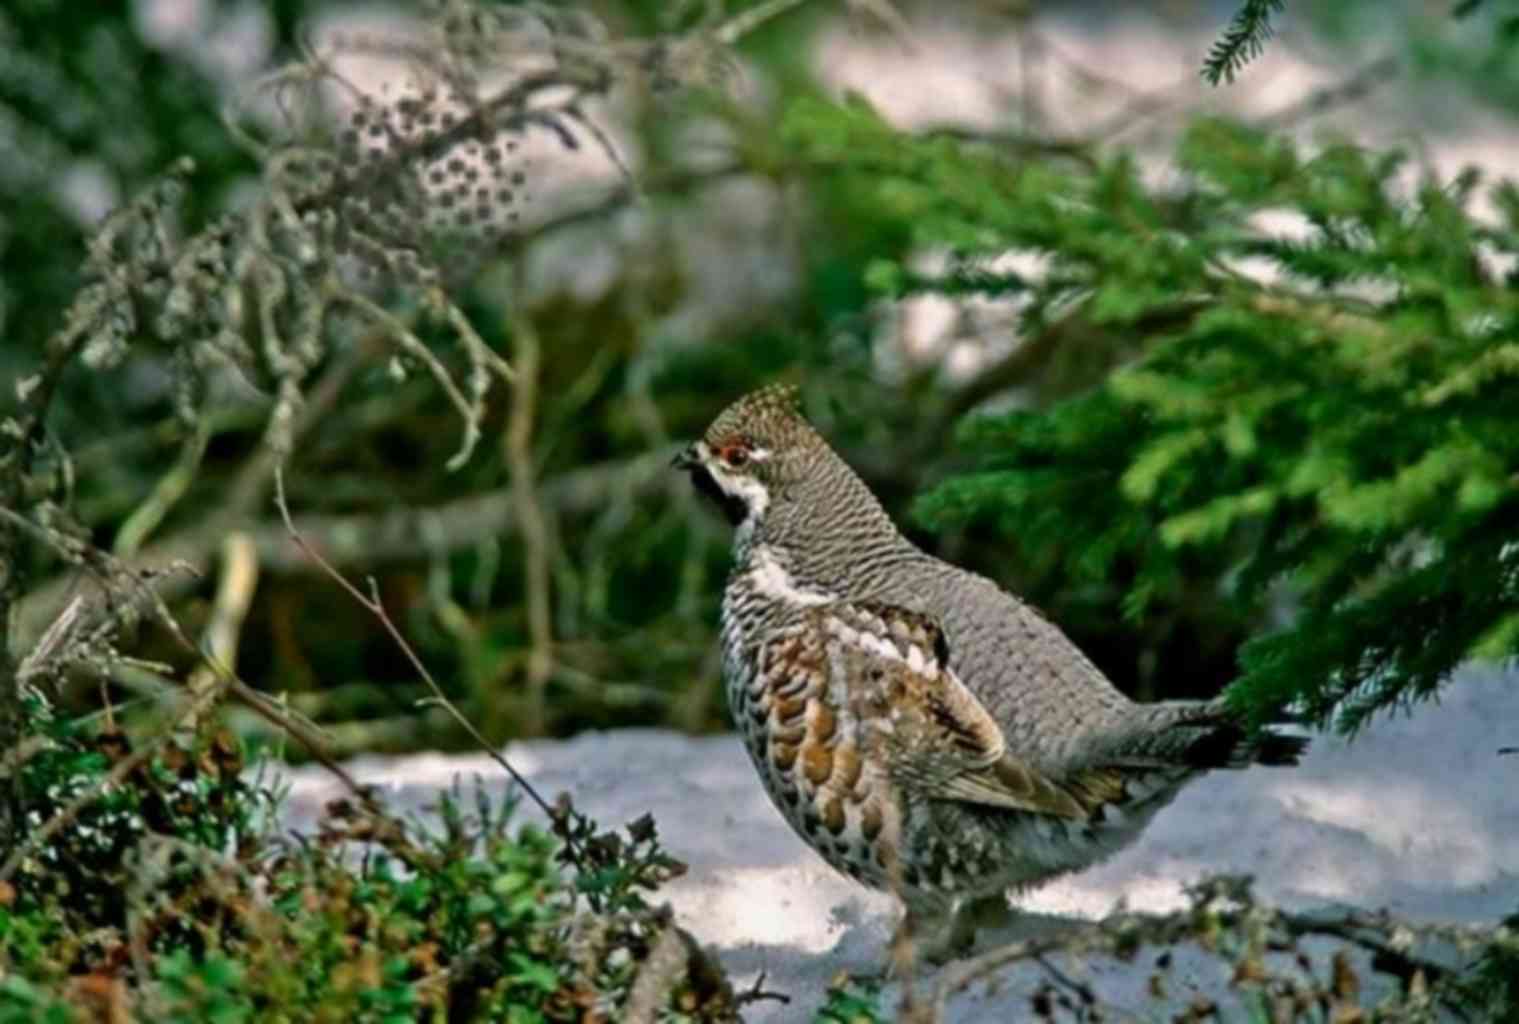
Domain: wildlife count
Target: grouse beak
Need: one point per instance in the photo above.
(688, 458)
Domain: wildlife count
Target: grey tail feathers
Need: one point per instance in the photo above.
(1212, 736)
(1277, 745)
(1230, 745)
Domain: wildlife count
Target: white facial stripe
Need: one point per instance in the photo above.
(709, 456)
(742, 486)
(753, 493)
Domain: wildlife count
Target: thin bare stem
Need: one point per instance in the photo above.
(1387, 938)
(371, 603)
(531, 522)
(112, 571)
(468, 410)
(741, 24)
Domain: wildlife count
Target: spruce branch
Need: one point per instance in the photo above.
(1242, 41)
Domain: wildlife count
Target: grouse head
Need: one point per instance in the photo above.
(758, 451)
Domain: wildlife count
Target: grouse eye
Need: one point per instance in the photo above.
(735, 455)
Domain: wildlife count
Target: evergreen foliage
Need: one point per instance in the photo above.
(1242, 41)
(1323, 420)
(1205, 443)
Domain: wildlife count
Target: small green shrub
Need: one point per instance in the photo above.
(851, 1001)
(172, 897)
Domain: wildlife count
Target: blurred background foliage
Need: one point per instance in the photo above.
(1196, 372)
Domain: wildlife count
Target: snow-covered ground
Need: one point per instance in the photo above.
(1420, 814)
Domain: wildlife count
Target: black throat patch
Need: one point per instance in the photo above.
(734, 509)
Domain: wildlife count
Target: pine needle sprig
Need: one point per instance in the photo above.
(1242, 41)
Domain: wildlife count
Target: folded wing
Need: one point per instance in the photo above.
(888, 673)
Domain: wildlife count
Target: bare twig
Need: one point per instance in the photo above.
(1096, 936)
(469, 409)
(1020, 143)
(1353, 89)
(1139, 105)
(1370, 932)
(1081, 990)
(117, 578)
(1033, 353)
(745, 22)
(395, 535)
(54, 642)
(253, 479)
(1219, 903)
(758, 993)
(371, 602)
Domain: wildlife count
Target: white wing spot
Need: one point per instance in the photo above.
(915, 659)
(842, 631)
(875, 644)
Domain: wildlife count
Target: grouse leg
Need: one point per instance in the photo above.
(932, 933)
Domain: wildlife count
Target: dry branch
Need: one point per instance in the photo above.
(398, 535)
(1225, 904)
(372, 604)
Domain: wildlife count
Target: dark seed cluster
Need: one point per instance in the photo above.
(429, 168)
(398, 187)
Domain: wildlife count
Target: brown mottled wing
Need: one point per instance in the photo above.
(889, 680)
